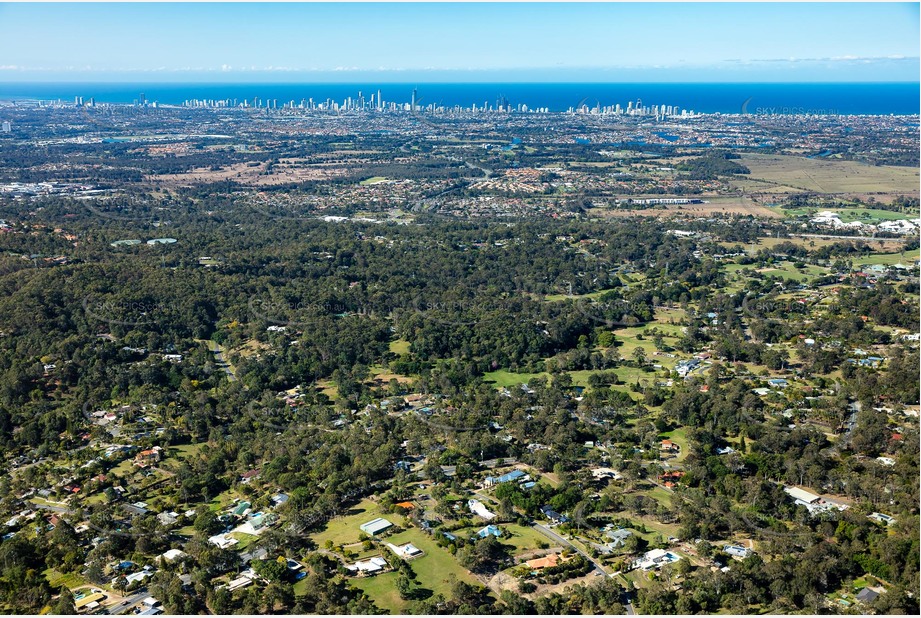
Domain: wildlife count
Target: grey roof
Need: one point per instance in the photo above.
(867, 596)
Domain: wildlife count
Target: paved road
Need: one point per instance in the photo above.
(129, 601)
(556, 537)
(627, 603)
(842, 237)
(219, 359)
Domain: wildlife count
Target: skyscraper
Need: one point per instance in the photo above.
(413, 104)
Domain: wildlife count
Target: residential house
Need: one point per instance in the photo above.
(552, 515)
(618, 537)
(406, 552)
(737, 551)
(168, 518)
(654, 559)
(882, 518)
(172, 555)
(537, 564)
(223, 541)
(867, 595)
(514, 475)
(478, 508)
(250, 475)
(669, 446)
(606, 473)
(148, 457)
(371, 566)
(489, 530)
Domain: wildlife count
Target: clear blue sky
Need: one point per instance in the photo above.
(473, 42)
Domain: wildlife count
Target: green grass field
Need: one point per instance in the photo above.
(399, 346)
(504, 378)
(522, 538)
(888, 259)
(680, 437)
(186, 451)
(519, 538)
(70, 580)
(374, 180)
(245, 540)
(784, 270)
(382, 589)
(344, 530)
(432, 571)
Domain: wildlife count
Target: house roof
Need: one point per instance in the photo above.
(547, 561)
(867, 596)
(801, 494)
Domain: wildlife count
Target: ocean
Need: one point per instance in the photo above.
(825, 98)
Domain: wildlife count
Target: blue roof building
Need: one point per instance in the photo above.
(493, 530)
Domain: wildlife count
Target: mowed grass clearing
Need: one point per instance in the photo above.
(344, 530)
(399, 346)
(432, 571)
(784, 270)
(888, 259)
(809, 242)
(57, 579)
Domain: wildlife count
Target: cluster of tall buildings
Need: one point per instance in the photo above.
(6, 127)
(637, 109)
(374, 102)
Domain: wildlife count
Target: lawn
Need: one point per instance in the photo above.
(519, 538)
(382, 589)
(432, 569)
(328, 388)
(888, 259)
(70, 580)
(124, 468)
(96, 498)
(344, 530)
(399, 346)
(245, 540)
(222, 500)
(552, 298)
(660, 495)
(374, 180)
(784, 270)
(186, 451)
(522, 538)
(680, 437)
(505, 378)
(802, 241)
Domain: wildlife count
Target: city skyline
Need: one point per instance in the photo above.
(431, 42)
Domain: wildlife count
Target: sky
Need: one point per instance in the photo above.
(397, 42)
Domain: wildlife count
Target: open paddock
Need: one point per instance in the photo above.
(831, 176)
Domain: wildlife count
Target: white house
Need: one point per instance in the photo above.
(371, 566)
(478, 508)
